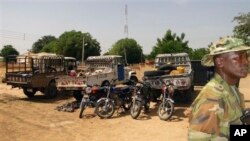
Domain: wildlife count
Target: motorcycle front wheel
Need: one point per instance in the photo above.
(105, 109)
(165, 110)
(82, 108)
(127, 104)
(135, 109)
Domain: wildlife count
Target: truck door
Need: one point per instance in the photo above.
(120, 69)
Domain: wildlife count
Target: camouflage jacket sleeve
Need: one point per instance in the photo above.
(205, 121)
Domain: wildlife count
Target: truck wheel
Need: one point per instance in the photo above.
(29, 92)
(50, 90)
(154, 73)
(77, 95)
(189, 95)
(184, 96)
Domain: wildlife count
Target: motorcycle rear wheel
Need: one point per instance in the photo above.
(135, 109)
(166, 110)
(105, 109)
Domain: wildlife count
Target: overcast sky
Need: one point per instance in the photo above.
(22, 22)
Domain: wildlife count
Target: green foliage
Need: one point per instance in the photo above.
(133, 50)
(170, 43)
(8, 50)
(71, 44)
(50, 47)
(41, 43)
(242, 30)
(199, 53)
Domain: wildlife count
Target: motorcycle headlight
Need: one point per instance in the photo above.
(88, 90)
(138, 85)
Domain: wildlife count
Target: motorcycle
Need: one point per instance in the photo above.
(245, 118)
(120, 97)
(166, 108)
(141, 99)
(90, 96)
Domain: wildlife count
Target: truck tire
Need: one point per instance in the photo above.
(184, 96)
(77, 95)
(50, 90)
(154, 73)
(29, 92)
(189, 94)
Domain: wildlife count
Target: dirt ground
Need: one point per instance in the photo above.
(23, 119)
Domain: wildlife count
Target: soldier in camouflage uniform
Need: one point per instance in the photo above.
(219, 103)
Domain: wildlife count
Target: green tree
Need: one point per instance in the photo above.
(8, 50)
(50, 47)
(170, 43)
(242, 30)
(41, 43)
(70, 43)
(197, 54)
(133, 50)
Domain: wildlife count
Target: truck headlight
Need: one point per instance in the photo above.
(182, 82)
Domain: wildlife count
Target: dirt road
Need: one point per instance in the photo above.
(23, 119)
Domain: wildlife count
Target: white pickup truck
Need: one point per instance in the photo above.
(99, 70)
(175, 68)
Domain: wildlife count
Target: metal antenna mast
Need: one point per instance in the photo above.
(126, 31)
(126, 24)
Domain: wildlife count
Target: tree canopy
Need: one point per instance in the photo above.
(129, 47)
(8, 50)
(242, 30)
(70, 43)
(198, 53)
(170, 43)
(39, 45)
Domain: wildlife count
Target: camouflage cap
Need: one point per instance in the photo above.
(224, 45)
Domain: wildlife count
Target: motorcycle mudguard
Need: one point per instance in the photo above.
(104, 99)
(171, 100)
(137, 98)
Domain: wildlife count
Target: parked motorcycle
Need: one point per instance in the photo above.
(166, 108)
(245, 118)
(141, 99)
(120, 97)
(90, 96)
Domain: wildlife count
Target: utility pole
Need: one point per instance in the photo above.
(82, 51)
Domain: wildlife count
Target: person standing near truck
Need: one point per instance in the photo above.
(219, 103)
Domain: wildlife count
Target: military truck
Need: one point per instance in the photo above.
(175, 68)
(37, 72)
(99, 70)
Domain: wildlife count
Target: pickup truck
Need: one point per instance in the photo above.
(175, 68)
(37, 72)
(99, 70)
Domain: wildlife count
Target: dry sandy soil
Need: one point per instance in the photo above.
(23, 119)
